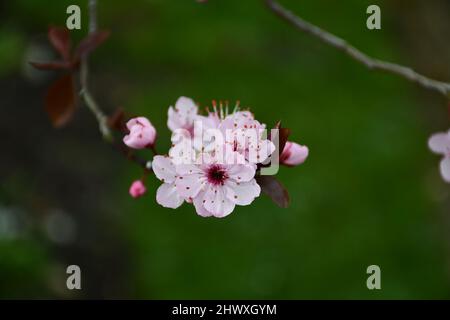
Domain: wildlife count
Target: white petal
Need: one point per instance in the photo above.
(182, 153)
(190, 185)
(217, 203)
(164, 169)
(439, 143)
(168, 197)
(260, 152)
(173, 120)
(241, 172)
(243, 193)
(186, 106)
(199, 207)
(445, 168)
(185, 169)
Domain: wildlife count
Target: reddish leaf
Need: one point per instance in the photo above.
(274, 189)
(53, 65)
(60, 39)
(90, 43)
(60, 101)
(283, 134)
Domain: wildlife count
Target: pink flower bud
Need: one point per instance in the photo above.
(137, 189)
(293, 154)
(142, 133)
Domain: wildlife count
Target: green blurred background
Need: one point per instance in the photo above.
(370, 192)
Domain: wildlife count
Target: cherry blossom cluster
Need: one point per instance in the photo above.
(214, 159)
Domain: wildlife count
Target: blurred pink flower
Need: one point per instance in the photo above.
(137, 189)
(293, 154)
(142, 133)
(440, 143)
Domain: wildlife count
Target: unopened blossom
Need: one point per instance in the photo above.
(216, 188)
(183, 115)
(167, 194)
(141, 135)
(293, 154)
(137, 189)
(440, 143)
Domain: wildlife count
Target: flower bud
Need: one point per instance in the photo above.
(137, 189)
(293, 154)
(142, 133)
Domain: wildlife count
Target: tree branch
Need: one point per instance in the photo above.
(357, 55)
(89, 100)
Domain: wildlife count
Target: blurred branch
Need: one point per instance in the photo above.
(357, 55)
(91, 103)
(89, 100)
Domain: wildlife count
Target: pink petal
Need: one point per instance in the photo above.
(217, 203)
(241, 172)
(243, 193)
(182, 153)
(174, 122)
(264, 149)
(168, 197)
(189, 186)
(186, 169)
(140, 121)
(439, 143)
(445, 169)
(142, 133)
(199, 207)
(164, 169)
(183, 115)
(294, 154)
(186, 106)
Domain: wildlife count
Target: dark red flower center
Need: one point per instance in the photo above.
(216, 175)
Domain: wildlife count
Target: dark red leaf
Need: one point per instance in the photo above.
(53, 65)
(274, 189)
(283, 135)
(60, 101)
(60, 39)
(90, 43)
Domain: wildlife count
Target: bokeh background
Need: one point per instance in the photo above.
(370, 192)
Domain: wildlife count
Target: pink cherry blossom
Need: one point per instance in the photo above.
(214, 158)
(183, 115)
(167, 194)
(440, 143)
(244, 134)
(137, 189)
(216, 188)
(142, 133)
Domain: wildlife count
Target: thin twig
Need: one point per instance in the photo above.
(354, 53)
(89, 100)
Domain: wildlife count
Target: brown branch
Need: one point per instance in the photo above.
(357, 55)
(89, 100)
(93, 106)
